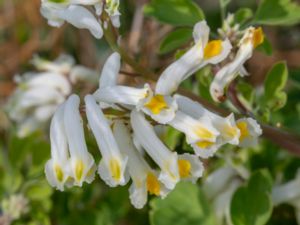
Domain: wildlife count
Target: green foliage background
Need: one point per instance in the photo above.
(273, 99)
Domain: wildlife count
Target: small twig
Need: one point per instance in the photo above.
(232, 94)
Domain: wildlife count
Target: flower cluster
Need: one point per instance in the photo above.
(76, 13)
(38, 94)
(126, 137)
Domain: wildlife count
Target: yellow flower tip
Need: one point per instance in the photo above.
(59, 173)
(203, 133)
(79, 168)
(231, 131)
(156, 104)
(153, 185)
(258, 37)
(204, 144)
(212, 49)
(91, 171)
(243, 127)
(184, 167)
(115, 169)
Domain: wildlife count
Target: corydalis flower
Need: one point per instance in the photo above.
(57, 169)
(161, 155)
(161, 108)
(39, 93)
(81, 161)
(112, 166)
(74, 12)
(144, 178)
(70, 162)
(204, 52)
(35, 100)
(251, 39)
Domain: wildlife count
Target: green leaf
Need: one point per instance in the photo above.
(175, 12)
(243, 15)
(184, 205)
(251, 205)
(175, 40)
(278, 12)
(274, 97)
(172, 137)
(39, 190)
(246, 91)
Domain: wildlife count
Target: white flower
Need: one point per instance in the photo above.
(112, 165)
(229, 132)
(82, 162)
(251, 39)
(250, 130)
(144, 179)
(219, 188)
(57, 169)
(204, 52)
(23, 101)
(61, 65)
(81, 73)
(288, 193)
(48, 79)
(162, 156)
(76, 15)
(200, 133)
(190, 167)
(159, 107)
(110, 71)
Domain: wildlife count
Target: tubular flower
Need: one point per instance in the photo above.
(82, 162)
(38, 94)
(112, 165)
(161, 155)
(75, 13)
(200, 133)
(57, 169)
(229, 132)
(250, 131)
(161, 108)
(144, 179)
(204, 52)
(190, 167)
(251, 39)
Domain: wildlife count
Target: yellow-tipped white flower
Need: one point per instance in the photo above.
(57, 169)
(200, 133)
(161, 108)
(204, 52)
(112, 165)
(250, 131)
(190, 167)
(144, 179)
(229, 132)
(82, 162)
(161, 155)
(251, 39)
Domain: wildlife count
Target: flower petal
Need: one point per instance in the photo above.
(113, 164)
(166, 160)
